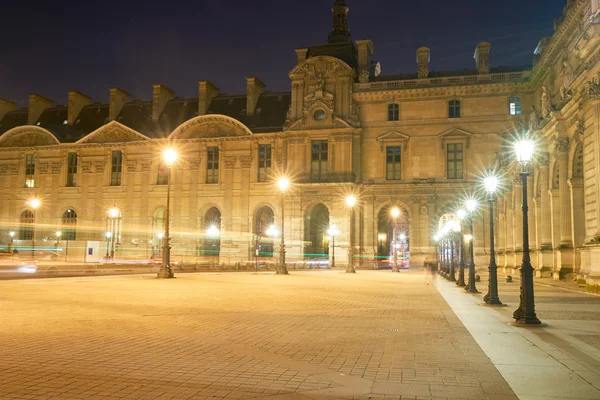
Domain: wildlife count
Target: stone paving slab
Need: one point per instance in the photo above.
(310, 335)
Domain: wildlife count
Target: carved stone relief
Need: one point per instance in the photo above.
(246, 161)
(99, 166)
(146, 165)
(229, 162)
(56, 167)
(86, 167)
(43, 168)
(131, 165)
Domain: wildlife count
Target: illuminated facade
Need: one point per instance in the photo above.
(417, 141)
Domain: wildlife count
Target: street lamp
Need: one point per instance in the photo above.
(165, 271)
(491, 298)
(454, 229)
(34, 204)
(436, 239)
(333, 231)
(395, 214)
(107, 235)
(471, 205)
(113, 220)
(351, 202)
(525, 314)
(58, 234)
(461, 214)
(283, 184)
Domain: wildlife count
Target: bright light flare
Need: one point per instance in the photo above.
(213, 231)
(350, 201)
(468, 238)
(333, 231)
(491, 183)
(283, 184)
(170, 156)
(402, 236)
(272, 231)
(58, 234)
(461, 214)
(108, 235)
(11, 234)
(524, 150)
(471, 205)
(395, 212)
(35, 203)
(114, 212)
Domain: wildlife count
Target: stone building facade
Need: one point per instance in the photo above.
(418, 141)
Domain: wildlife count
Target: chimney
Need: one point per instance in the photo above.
(423, 58)
(365, 52)
(161, 94)
(77, 101)
(302, 54)
(37, 105)
(6, 106)
(482, 57)
(206, 92)
(118, 98)
(254, 88)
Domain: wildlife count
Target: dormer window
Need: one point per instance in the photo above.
(393, 112)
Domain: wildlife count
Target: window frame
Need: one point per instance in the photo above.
(116, 169)
(454, 108)
(393, 112)
(212, 165)
(265, 163)
(72, 169)
(518, 108)
(30, 162)
(397, 175)
(448, 161)
(323, 162)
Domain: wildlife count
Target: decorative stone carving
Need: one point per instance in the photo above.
(567, 75)
(14, 169)
(195, 163)
(113, 132)
(86, 166)
(229, 162)
(355, 110)
(146, 165)
(342, 138)
(325, 66)
(211, 126)
(131, 165)
(593, 87)
(534, 120)
(99, 166)
(561, 144)
(579, 129)
(246, 161)
(3, 169)
(363, 77)
(483, 66)
(56, 167)
(43, 168)
(543, 159)
(27, 136)
(423, 71)
(546, 102)
(424, 210)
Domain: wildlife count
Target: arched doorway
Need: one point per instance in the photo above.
(69, 223)
(212, 233)
(393, 233)
(26, 221)
(264, 234)
(316, 244)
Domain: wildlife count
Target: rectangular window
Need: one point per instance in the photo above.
(264, 162)
(454, 109)
(29, 170)
(72, 169)
(163, 174)
(515, 106)
(212, 165)
(393, 112)
(319, 159)
(116, 168)
(454, 157)
(393, 163)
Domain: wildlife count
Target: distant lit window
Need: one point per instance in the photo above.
(515, 106)
(212, 165)
(72, 169)
(393, 112)
(65, 122)
(454, 109)
(116, 168)
(264, 162)
(393, 163)
(29, 170)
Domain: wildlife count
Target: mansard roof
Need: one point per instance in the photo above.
(446, 74)
(270, 114)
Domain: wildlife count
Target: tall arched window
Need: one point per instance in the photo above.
(69, 222)
(26, 225)
(263, 220)
(212, 233)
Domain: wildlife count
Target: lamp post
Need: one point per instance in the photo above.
(454, 228)
(107, 235)
(10, 245)
(436, 239)
(272, 232)
(525, 314)
(165, 271)
(461, 214)
(113, 216)
(491, 298)
(34, 204)
(351, 202)
(283, 184)
(333, 231)
(395, 214)
(402, 247)
(470, 287)
(58, 234)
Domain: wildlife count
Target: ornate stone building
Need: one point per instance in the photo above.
(418, 141)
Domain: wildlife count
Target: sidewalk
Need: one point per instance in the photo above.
(561, 361)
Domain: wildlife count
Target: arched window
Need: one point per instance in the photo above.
(264, 234)
(69, 222)
(212, 233)
(454, 109)
(515, 106)
(393, 112)
(555, 176)
(578, 162)
(26, 221)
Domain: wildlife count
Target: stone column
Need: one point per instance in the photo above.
(545, 229)
(577, 223)
(369, 234)
(565, 251)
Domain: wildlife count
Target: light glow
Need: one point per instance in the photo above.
(461, 214)
(395, 212)
(283, 184)
(213, 231)
(58, 234)
(108, 235)
(350, 201)
(402, 236)
(471, 205)
(35, 203)
(272, 231)
(524, 151)
(491, 184)
(11, 234)
(170, 156)
(333, 231)
(114, 212)
(468, 238)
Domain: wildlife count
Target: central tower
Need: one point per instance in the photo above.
(340, 32)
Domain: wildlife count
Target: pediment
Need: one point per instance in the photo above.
(455, 133)
(211, 126)
(393, 136)
(320, 67)
(28, 136)
(113, 132)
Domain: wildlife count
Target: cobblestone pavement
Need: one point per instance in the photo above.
(560, 361)
(310, 335)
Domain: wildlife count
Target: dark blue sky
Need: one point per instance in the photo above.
(90, 46)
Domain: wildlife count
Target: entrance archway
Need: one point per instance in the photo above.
(315, 237)
(264, 219)
(393, 232)
(212, 233)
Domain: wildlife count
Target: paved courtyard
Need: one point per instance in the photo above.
(310, 335)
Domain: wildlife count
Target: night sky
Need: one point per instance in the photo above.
(51, 47)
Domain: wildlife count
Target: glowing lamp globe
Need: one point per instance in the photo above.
(491, 184)
(395, 212)
(283, 184)
(461, 214)
(170, 156)
(350, 201)
(113, 212)
(35, 203)
(471, 205)
(524, 151)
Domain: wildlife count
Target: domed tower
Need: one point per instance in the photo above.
(340, 32)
